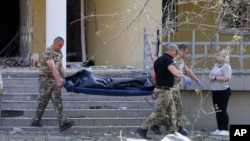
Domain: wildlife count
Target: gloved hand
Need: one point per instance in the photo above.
(63, 81)
(187, 80)
(200, 84)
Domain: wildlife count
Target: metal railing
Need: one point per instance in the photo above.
(194, 55)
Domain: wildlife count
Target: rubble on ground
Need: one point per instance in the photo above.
(15, 62)
(21, 135)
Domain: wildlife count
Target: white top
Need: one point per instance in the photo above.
(220, 70)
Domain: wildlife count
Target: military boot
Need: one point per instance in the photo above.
(143, 133)
(156, 129)
(183, 131)
(66, 125)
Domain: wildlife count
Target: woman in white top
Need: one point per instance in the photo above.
(219, 76)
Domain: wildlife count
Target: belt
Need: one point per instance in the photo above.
(163, 87)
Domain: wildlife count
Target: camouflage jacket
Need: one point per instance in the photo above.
(50, 54)
(181, 66)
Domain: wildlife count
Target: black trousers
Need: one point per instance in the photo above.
(220, 101)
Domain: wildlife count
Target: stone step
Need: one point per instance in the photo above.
(21, 89)
(9, 104)
(20, 81)
(102, 71)
(24, 88)
(74, 97)
(80, 113)
(76, 129)
(90, 112)
(101, 121)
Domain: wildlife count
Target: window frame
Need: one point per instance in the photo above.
(242, 27)
(169, 20)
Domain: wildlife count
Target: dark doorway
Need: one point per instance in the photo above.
(9, 28)
(74, 46)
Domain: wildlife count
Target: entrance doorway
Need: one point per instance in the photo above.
(74, 32)
(9, 28)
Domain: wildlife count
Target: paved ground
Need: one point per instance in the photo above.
(20, 135)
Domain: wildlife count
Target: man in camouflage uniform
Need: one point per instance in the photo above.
(50, 84)
(163, 77)
(181, 66)
(179, 63)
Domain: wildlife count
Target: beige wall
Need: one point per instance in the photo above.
(118, 39)
(38, 23)
(112, 41)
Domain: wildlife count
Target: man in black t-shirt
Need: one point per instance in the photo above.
(163, 77)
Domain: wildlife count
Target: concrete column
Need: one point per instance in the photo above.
(56, 14)
(83, 32)
(25, 29)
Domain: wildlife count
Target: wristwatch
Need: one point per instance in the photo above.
(214, 78)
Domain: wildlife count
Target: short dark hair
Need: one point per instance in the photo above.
(182, 46)
(58, 39)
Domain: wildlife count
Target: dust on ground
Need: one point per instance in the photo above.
(20, 135)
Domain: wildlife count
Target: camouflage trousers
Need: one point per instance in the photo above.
(164, 103)
(48, 90)
(178, 106)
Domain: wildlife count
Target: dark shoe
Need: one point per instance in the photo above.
(156, 129)
(142, 133)
(36, 124)
(66, 125)
(183, 131)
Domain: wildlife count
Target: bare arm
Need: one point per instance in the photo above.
(175, 71)
(51, 65)
(219, 78)
(62, 71)
(153, 77)
(191, 74)
(223, 79)
(227, 75)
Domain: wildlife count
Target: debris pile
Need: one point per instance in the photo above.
(15, 62)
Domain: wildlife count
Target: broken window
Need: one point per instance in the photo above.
(235, 15)
(169, 10)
